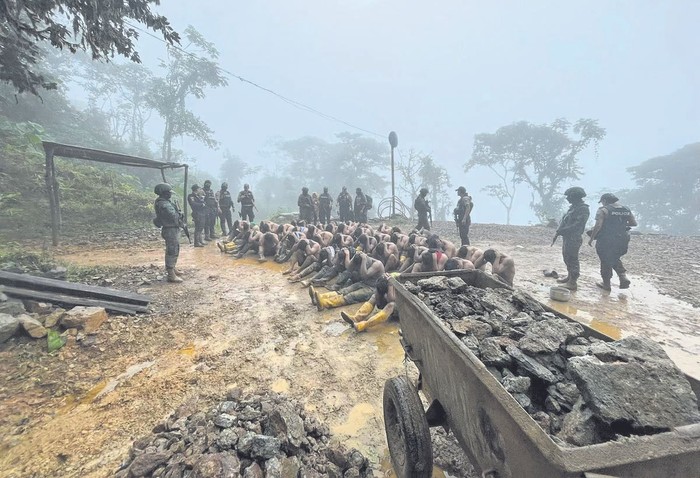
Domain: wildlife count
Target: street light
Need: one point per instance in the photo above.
(394, 142)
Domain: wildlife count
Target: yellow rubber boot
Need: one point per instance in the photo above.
(229, 246)
(361, 314)
(317, 300)
(330, 301)
(377, 318)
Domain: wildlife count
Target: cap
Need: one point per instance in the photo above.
(461, 189)
(608, 198)
(195, 187)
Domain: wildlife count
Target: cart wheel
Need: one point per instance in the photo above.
(407, 430)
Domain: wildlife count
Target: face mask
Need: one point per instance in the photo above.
(167, 194)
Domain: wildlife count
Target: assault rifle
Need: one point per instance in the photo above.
(185, 228)
(430, 213)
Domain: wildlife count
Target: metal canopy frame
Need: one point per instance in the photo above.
(77, 152)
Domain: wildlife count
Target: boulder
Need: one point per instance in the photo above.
(89, 319)
(224, 420)
(286, 424)
(12, 307)
(32, 326)
(433, 284)
(253, 471)
(217, 465)
(227, 438)
(9, 326)
(144, 464)
(54, 318)
(491, 353)
(579, 427)
(530, 365)
(456, 284)
(264, 447)
(515, 384)
(548, 335)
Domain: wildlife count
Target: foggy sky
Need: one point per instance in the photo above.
(440, 72)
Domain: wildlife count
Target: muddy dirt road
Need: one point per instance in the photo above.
(241, 324)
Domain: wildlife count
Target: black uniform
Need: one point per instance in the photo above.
(464, 208)
(324, 207)
(360, 208)
(211, 208)
(247, 204)
(345, 206)
(199, 216)
(571, 230)
(306, 208)
(613, 239)
(226, 207)
(422, 206)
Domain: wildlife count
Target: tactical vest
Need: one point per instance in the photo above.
(462, 206)
(209, 198)
(246, 198)
(164, 217)
(324, 200)
(616, 220)
(225, 200)
(196, 203)
(345, 200)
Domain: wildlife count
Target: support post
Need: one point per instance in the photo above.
(394, 142)
(184, 195)
(50, 191)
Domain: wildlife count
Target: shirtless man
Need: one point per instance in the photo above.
(268, 244)
(322, 237)
(370, 270)
(388, 253)
(471, 253)
(342, 240)
(456, 263)
(413, 257)
(366, 243)
(417, 239)
(307, 253)
(431, 261)
(384, 299)
(502, 266)
(434, 242)
(401, 241)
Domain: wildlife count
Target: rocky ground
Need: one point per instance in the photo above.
(240, 325)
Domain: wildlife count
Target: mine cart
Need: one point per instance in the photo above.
(500, 437)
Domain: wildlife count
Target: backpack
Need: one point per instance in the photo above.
(368, 205)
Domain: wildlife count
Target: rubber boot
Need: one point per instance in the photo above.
(318, 297)
(563, 280)
(361, 314)
(329, 300)
(377, 318)
(571, 284)
(624, 281)
(207, 238)
(172, 277)
(312, 294)
(605, 285)
(221, 247)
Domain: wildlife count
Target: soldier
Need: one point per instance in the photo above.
(325, 204)
(170, 220)
(212, 210)
(345, 205)
(611, 233)
(360, 207)
(247, 201)
(306, 206)
(196, 202)
(571, 229)
(226, 208)
(462, 214)
(423, 208)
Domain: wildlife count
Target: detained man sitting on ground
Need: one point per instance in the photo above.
(370, 270)
(502, 266)
(456, 263)
(384, 299)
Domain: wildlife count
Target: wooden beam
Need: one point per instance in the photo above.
(64, 287)
(184, 195)
(56, 298)
(50, 183)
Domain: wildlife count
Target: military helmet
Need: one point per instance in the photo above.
(608, 198)
(325, 190)
(358, 190)
(195, 187)
(224, 184)
(161, 188)
(207, 183)
(305, 189)
(246, 186)
(575, 192)
(424, 190)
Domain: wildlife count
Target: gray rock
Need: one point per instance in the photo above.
(290, 467)
(523, 319)
(530, 365)
(433, 284)
(578, 350)
(543, 421)
(472, 344)
(456, 284)
(253, 471)
(227, 407)
(227, 438)
(217, 465)
(9, 326)
(36, 307)
(52, 319)
(264, 447)
(551, 405)
(478, 329)
(248, 414)
(491, 353)
(619, 393)
(568, 392)
(3, 297)
(352, 473)
(337, 454)
(32, 326)
(548, 335)
(144, 464)
(356, 460)
(523, 400)
(224, 420)
(12, 307)
(285, 424)
(516, 384)
(579, 427)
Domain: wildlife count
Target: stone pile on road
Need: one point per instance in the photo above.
(579, 389)
(256, 436)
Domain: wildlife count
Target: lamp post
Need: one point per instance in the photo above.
(394, 142)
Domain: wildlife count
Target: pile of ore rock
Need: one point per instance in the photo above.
(253, 436)
(578, 388)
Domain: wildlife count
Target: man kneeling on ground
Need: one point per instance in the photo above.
(384, 299)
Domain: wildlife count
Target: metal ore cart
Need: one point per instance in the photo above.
(500, 437)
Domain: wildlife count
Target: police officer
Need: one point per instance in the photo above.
(611, 233)
(170, 220)
(223, 196)
(247, 201)
(423, 208)
(199, 215)
(325, 204)
(306, 206)
(345, 205)
(462, 214)
(212, 210)
(571, 230)
(360, 206)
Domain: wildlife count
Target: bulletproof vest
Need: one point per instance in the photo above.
(360, 200)
(344, 200)
(209, 198)
(420, 205)
(305, 200)
(196, 202)
(225, 200)
(246, 198)
(163, 214)
(324, 200)
(462, 207)
(615, 223)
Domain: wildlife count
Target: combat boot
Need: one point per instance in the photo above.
(361, 314)
(377, 318)
(571, 284)
(605, 285)
(624, 281)
(172, 277)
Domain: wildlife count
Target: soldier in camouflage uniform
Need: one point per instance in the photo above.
(571, 230)
(170, 220)
(462, 214)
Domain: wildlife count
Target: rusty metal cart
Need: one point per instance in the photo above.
(500, 437)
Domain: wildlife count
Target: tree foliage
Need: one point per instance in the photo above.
(102, 28)
(667, 196)
(541, 156)
(233, 170)
(189, 73)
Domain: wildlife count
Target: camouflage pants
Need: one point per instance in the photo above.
(356, 293)
(570, 250)
(172, 245)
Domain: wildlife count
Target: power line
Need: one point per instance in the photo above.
(287, 100)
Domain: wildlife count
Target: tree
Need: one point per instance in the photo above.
(189, 73)
(541, 156)
(102, 28)
(233, 170)
(409, 179)
(437, 180)
(667, 196)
